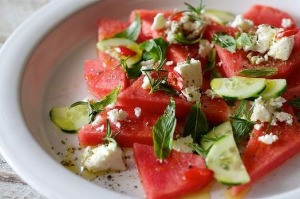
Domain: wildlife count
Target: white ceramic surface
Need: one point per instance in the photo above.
(42, 66)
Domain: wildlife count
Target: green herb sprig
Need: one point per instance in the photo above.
(133, 31)
(163, 132)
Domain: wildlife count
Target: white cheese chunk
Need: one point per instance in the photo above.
(159, 22)
(204, 47)
(210, 93)
(191, 72)
(116, 115)
(191, 93)
(137, 111)
(286, 23)
(242, 23)
(268, 138)
(265, 35)
(103, 158)
(282, 48)
(146, 83)
(97, 121)
(260, 111)
(182, 144)
(284, 117)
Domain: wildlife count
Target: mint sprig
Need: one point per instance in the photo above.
(163, 132)
(225, 41)
(259, 72)
(196, 123)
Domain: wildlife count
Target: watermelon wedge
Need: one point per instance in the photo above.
(180, 174)
(132, 130)
(101, 80)
(260, 159)
(261, 14)
(216, 110)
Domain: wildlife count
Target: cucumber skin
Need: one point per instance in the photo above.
(60, 127)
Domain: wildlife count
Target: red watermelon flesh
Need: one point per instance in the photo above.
(178, 175)
(101, 80)
(260, 159)
(156, 102)
(261, 14)
(179, 53)
(132, 130)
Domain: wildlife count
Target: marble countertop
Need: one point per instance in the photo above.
(12, 14)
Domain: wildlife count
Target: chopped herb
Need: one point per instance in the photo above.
(243, 40)
(198, 10)
(241, 123)
(163, 132)
(259, 72)
(180, 38)
(109, 135)
(225, 41)
(133, 31)
(210, 65)
(196, 123)
(295, 102)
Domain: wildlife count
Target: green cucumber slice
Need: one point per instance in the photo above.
(238, 87)
(217, 132)
(224, 160)
(274, 88)
(108, 45)
(70, 120)
(219, 16)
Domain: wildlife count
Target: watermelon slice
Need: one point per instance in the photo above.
(216, 110)
(132, 130)
(101, 80)
(260, 159)
(180, 174)
(261, 14)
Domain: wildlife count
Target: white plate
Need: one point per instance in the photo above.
(41, 66)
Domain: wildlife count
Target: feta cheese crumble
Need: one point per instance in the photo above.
(103, 158)
(191, 72)
(191, 93)
(282, 48)
(267, 111)
(137, 111)
(210, 93)
(116, 115)
(286, 23)
(159, 22)
(97, 120)
(182, 144)
(268, 138)
(204, 47)
(146, 83)
(242, 23)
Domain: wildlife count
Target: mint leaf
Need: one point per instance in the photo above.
(295, 102)
(180, 38)
(155, 49)
(259, 72)
(225, 41)
(163, 132)
(131, 72)
(211, 62)
(133, 31)
(110, 98)
(243, 40)
(196, 123)
(241, 123)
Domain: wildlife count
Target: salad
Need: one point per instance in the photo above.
(200, 95)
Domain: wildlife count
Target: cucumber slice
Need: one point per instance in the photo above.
(107, 45)
(216, 132)
(238, 87)
(219, 16)
(274, 88)
(224, 160)
(70, 120)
